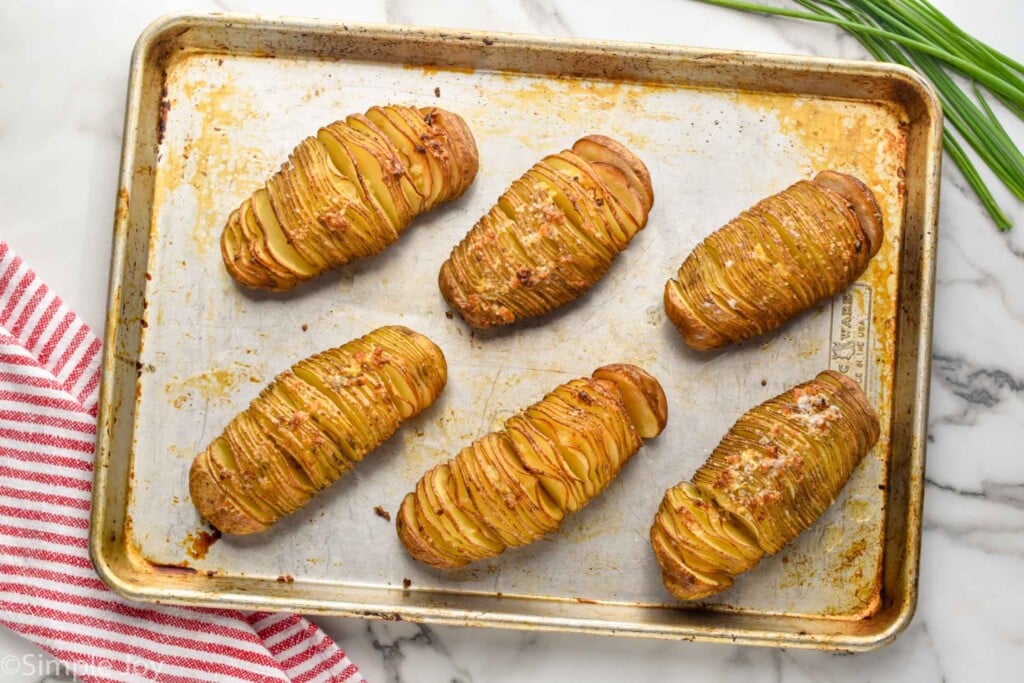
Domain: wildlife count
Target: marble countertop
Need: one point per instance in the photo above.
(63, 75)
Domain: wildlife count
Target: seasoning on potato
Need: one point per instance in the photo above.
(776, 471)
(551, 236)
(511, 487)
(348, 193)
(784, 255)
(311, 424)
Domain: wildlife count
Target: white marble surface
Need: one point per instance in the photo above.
(63, 70)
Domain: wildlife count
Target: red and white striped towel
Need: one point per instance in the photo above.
(49, 593)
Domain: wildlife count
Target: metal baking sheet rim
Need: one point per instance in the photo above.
(131, 576)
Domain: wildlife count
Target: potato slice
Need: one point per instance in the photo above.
(602, 149)
(207, 491)
(425, 174)
(277, 243)
(310, 424)
(775, 472)
(618, 183)
(348, 193)
(511, 487)
(617, 223)
(642, 396)
(398, 172)
(783, 256)
(566, 219)
(269, 478)
(861, 199)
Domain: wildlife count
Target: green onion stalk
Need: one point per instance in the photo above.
(917, 35)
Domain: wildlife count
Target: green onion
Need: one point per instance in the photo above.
(917, 35)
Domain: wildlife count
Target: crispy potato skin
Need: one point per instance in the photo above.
(511, 487)
(551, 236)
(311, 424)
(782, 256)
(774, 473)
(347, 193)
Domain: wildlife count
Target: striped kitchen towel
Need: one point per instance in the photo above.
(49, 593)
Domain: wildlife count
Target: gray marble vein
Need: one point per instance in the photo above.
(982, 386)
(544, 14)
(402, 645)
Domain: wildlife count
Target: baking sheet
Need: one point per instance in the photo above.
(228, 120)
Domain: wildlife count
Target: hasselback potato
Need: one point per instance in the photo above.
(348, 193)
(776, 471)
(787, 253)
(551, 235)
(311, 424)
(511, 487)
